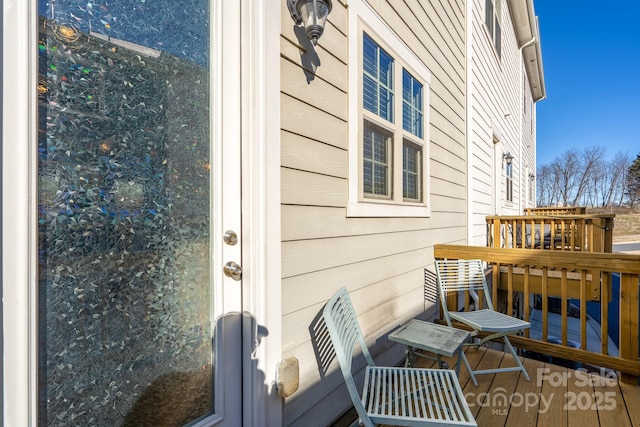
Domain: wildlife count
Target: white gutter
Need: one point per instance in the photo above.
(525, 24)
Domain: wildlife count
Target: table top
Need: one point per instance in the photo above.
(428, 336)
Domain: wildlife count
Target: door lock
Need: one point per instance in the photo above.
(233, 270)
(230, 237)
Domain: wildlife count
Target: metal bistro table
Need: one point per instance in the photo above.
(432, 338)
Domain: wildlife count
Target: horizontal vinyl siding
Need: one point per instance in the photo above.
(380, 260)
(496, 92)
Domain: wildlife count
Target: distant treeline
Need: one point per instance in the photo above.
(589, 178)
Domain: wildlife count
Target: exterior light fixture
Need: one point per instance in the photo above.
(532, 177)
(507, 157)
(312, 14)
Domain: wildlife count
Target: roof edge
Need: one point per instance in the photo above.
(526, 27)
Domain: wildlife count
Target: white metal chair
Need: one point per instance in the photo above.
(393, 395)
(468, 275)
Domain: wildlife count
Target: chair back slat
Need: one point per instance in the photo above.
(456, 275)
(460, 275)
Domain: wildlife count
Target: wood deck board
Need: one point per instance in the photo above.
(578, 391)
(479, 395)
(526, 414)
(631, 395)
(555, 393)
(497, 404)
(577, 400)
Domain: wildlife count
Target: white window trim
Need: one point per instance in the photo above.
(362, 16)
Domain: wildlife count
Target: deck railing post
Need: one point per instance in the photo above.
(629, 313)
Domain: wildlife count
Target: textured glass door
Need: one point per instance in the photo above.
(127, 312)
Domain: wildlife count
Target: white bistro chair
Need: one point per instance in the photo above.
(393, 395)
(468, 275)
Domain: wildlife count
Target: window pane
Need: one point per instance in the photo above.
(498, 38)
(417, 94)
(509, 182)
(124, 285)
(377, 79)
(411, 104)
(370, 53)
(488, 16)
(411, 172)
(376, 161)
(370, 94)
(386, 104)
(386, 69)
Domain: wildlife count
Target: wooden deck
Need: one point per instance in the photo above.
(555, 396)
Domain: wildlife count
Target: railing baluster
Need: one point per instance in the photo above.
(563, 309)
(509, 290)
(583, 309)
(629, 312)
(533, 234)
(527, 308)
(604, 310)
(545, 303)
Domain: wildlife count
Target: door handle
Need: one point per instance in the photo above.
(233, 270)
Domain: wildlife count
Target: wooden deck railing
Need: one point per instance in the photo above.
(577, 275)
(582, 233)
(554, 210)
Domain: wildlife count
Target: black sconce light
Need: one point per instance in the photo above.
(312, 14)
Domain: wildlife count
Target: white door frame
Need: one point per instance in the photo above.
(259, 68)
(19, 269)
(261, 209)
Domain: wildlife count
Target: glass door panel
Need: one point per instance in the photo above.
(124, 224)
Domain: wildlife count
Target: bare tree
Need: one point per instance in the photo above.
(589, 163)
(565, 170)
(545, 186)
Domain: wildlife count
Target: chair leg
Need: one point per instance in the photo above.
(515, 356)
(468, 365)
(520, 367)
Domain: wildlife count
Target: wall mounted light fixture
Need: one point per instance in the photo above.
(532, 177)
(508, 158)
(312, 14)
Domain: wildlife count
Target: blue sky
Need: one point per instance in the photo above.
(591, 59)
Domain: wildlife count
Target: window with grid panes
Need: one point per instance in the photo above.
(381, 133)
(388, 121)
